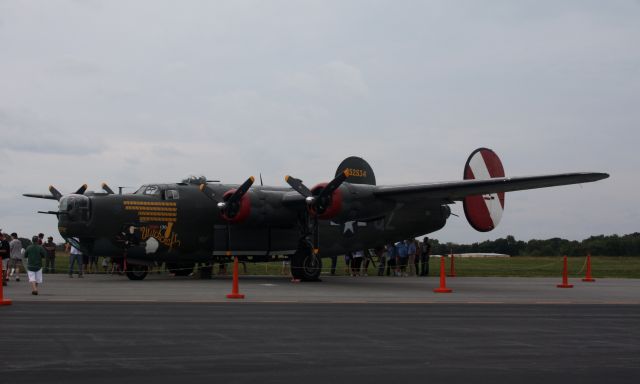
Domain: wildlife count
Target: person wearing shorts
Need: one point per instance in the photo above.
(34, 255)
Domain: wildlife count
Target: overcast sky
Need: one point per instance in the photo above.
(131, 92)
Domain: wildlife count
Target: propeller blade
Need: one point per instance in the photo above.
(323, 200)
(55, 193)
(230, 206)
(81, 190)
(237, 195)
(204, 188)
(106, 188)
(297, 186)
(334, 184)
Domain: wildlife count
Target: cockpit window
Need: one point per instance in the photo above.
(140, 190)
(152, 190)
(171, 194)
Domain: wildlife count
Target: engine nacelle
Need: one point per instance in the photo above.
(261, 207)
(351, 202)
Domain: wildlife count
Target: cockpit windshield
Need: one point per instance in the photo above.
(148, 190)
(152, 190)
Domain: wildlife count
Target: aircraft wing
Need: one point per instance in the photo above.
(457, 190)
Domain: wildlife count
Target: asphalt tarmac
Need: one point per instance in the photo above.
(333, 289)
(105, 329)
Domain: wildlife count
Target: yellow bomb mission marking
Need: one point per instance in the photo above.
(156, 212)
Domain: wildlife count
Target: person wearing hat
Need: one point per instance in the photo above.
(50, 260)
(34, 255)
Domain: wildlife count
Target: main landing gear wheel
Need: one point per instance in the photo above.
(306, 266)
(137, 272)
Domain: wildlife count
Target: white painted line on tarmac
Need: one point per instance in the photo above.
(138, 301)
(278, 301)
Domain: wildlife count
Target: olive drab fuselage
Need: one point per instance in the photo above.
(178, 224)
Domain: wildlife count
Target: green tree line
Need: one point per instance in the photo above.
(601, 245)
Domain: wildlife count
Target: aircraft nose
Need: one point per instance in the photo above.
(74, 215)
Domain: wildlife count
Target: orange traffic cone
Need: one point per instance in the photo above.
(565, 278)
(443, 284)
(452, 269)
(235, 293)
(588, 276)
(3, 301)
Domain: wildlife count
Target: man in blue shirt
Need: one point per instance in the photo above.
(403, 255)
(391, 259)
(411, 250)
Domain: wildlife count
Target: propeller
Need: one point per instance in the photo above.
(325, 198)
(317, 204)
(230, 205)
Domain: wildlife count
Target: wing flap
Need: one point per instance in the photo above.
(457, 190)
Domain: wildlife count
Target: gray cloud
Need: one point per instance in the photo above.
(27, 134)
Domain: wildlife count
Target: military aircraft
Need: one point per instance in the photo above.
(201, 221)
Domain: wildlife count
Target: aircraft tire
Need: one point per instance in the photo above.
(306, 266)
(137, 272)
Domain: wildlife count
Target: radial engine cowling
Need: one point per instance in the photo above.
(349, 202)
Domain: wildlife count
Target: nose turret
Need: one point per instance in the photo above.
(74, 215)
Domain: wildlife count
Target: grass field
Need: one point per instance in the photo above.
(627, 267)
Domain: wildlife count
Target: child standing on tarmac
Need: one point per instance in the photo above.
(34, 255)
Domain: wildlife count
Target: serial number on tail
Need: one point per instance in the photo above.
(356, 172)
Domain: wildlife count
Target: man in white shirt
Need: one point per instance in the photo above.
(75, 256)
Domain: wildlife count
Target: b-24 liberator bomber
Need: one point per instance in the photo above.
(198, 221)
